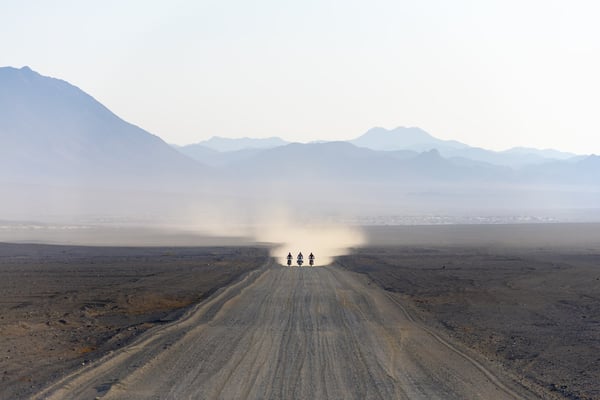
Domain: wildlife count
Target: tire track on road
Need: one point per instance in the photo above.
(301, 333)
(78, 381)
(495, 380)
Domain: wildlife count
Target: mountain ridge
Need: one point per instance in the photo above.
(400, 139)
(403, 138)
(76, 156)
(220, 143)
(51, 129)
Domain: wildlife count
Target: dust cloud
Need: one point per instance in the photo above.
(282, 229)
(325, 240)
(187, 220)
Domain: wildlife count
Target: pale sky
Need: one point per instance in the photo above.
(494, 74)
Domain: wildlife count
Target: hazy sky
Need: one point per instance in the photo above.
(494, 74)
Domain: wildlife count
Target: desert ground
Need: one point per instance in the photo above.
(63, 306)
(418, 313)
(533, 313)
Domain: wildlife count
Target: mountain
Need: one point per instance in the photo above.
(312, 161)
(508, 159)
(516, 157)
(228, 144)
(403, 142)
(542, 153)
(341, 161)
(584, 171)
(53, 132)
(416, 139)
(336, 177)
(64, 153)
(339, 164)
(215, 158)
(196, 151)
(402, 138)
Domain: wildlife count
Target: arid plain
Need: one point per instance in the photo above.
(418, 312)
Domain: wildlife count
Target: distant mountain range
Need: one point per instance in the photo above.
(401, 139)
(344, 161)
(52, 133)
(228, 144)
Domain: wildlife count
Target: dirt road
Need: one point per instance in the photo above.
(290, 333)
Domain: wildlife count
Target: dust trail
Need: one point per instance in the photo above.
(285, 229)
(325, 241)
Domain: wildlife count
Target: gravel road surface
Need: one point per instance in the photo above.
(291, 333)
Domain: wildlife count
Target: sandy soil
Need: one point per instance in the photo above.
(62, 306)
(535, 312)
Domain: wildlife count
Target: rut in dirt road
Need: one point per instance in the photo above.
(290, 333)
